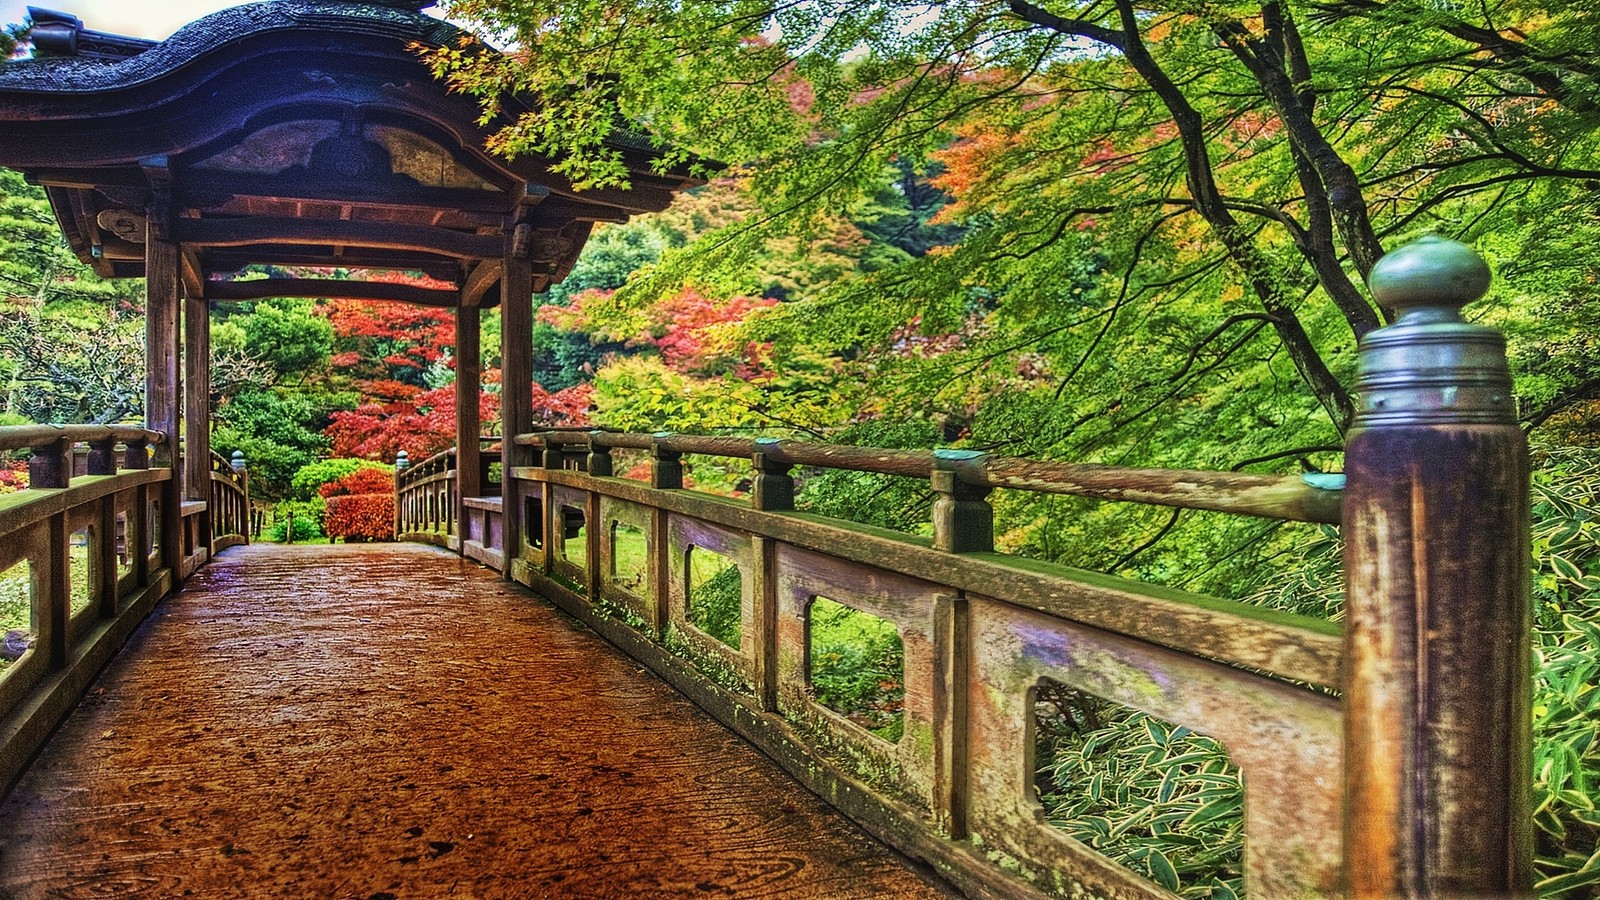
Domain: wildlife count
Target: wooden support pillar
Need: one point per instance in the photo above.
(1437, 733)
(516, 391)
(469, 389)
(197, 412)
(161, 387)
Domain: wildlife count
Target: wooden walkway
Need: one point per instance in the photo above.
(391, 722)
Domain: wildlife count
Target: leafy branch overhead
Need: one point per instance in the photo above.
(1276, 147)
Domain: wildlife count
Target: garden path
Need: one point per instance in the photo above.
(390, 721)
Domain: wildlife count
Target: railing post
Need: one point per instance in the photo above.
(402, 461)
(137, 454)
(103, 457)
(57, 594)
(50, 464)
(772, 488)
(666, 466)
(963, 520)
(600, 461)
(1437, 668)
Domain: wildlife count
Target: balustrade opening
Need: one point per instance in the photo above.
(533, 522)
(855, 666)
(16, 614)
(572, 539)
(1162, 800)
(80, 569)
(630, 557)
(715, 595)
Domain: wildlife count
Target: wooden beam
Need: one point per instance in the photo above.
(469, 389)
(197, 401)
(485, 275)
(262, 288)
(199, 187)
(243, 232)
(516, 392)
(230, 260)
(161, 385)
(191, 272)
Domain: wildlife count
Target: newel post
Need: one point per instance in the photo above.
(1437, 657)
(600, 461)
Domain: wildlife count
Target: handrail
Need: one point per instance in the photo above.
(1291, 498)
(24, 437)
(132, 548)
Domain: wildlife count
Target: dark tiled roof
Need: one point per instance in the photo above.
(72, 75)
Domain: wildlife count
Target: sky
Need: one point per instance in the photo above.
(154, 19)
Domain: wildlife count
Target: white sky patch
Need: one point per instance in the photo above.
(153, 20)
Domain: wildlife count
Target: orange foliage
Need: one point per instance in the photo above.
(368, 517)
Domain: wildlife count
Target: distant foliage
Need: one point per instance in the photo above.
(13, 477)
(309, 480)
(363, 480)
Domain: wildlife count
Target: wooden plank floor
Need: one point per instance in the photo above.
(388, 721)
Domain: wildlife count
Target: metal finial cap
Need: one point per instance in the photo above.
(1429, 272)
(1429, 366)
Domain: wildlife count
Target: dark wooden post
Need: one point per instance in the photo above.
(137, 454)
(516, 391)
(773, 486)
(600, 461)
(50, 464)
(1437, 669)
(103, 457)
(469, 390)
(197, 412)
(963, 520)
(161, 387)
(666, 466)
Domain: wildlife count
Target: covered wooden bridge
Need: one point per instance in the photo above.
(402, 721)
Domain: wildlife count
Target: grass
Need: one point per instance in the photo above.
(630, 558)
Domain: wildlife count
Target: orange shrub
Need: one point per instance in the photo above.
(365, 517)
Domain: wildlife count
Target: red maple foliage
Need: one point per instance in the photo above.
(423, 422)
(360, 506)
(360, 516)
(399, 333)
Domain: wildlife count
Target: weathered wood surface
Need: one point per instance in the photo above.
(340, 722)
(23, 437)
(1270, 496)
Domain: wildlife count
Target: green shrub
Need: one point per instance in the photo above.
(714, 596)
(858, 667)
(308, 479)
(306, 515)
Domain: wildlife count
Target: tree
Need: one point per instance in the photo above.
(1261, 147)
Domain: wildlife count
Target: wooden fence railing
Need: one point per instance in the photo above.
(88, 556)
(981, 632)
(1417, 785)
(230, 504)
(429, 509)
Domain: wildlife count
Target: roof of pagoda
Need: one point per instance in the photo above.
(306, 134)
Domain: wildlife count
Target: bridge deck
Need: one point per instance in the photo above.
(390, 722)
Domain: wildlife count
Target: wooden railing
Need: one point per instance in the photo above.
(1388, 757)
(230, 504)
(429, 509)
(99, 551)
(981, 632)
(425, 500)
